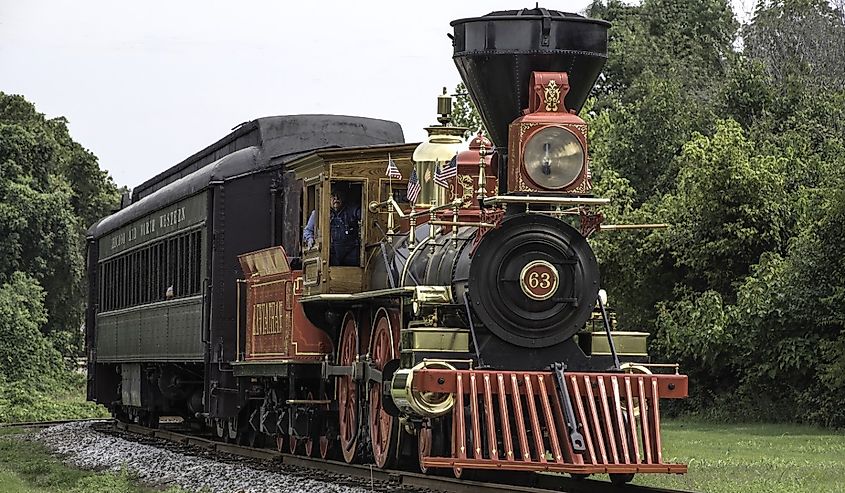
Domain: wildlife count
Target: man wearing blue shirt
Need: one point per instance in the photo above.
(344, 222)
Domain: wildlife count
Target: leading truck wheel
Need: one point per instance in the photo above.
(347, 391)
(620, 479)
(384, 428)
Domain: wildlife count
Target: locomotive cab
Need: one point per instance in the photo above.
(338, 234)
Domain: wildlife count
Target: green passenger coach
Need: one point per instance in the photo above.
(150, 286)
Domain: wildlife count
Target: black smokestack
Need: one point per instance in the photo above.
(495, 55)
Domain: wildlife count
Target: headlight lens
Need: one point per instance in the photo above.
(553, 157)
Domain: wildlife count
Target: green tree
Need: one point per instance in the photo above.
(464, 113)
(730, 207)
(51, 189)
(25, 354)
(804, 38)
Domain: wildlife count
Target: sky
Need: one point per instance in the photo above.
(146, 84)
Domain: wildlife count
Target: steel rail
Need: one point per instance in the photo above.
(547, 482)
(47, 424)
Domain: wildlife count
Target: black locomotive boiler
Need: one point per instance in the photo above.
(464, 328)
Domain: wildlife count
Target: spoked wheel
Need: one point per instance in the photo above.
(347, 392)
(309, 442)
(384, 428)
(325, 446)
(293, 444)
(424, 445)
(435, 439)
(232, 430)
(620, 479)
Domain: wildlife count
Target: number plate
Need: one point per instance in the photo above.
(539, 280)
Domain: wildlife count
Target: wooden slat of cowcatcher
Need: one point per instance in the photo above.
(617, 413)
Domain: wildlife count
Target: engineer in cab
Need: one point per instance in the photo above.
(344, 221)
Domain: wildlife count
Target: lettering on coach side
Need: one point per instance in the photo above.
(268, 318)
(172, 218)
(148, 227)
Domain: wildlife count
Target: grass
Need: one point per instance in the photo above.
(26, 466)
(752, 458)
(19, 402)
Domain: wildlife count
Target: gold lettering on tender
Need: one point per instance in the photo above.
(268, 318)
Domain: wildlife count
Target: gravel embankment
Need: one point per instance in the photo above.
(86, 448)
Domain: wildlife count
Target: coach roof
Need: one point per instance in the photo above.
(251, 147)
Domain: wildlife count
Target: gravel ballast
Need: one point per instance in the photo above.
(86, 448)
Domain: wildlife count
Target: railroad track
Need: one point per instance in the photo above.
(47, 424)
(395, 478)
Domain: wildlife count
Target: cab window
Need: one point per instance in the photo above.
(310, 219)
(345, 224)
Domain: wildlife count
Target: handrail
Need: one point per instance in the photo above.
(527, 199)
(374, 207)
(618, 227)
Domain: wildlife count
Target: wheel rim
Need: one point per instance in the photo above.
(281, 443)
(293, 443)
(348, 390)
(231, 430)
(381, 423)
(324, 442)
(424, 446)
(309, 442)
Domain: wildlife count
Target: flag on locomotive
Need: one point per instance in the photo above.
(414, 187)
(444, 173)
(392, 170)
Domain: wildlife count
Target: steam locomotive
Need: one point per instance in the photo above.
(468, 332)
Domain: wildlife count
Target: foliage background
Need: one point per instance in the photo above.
(51, 190)
(735, 135)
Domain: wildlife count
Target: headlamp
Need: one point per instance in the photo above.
(553, 158)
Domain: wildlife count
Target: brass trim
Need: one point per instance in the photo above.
(435, 339)
(432, 295)
(627, 343)
(287, 361)
(267, 283)
(551, 94)
(365, 295)
(529, 199)
(305, 264)
(617, 227)
(316, 402)
(462, 223)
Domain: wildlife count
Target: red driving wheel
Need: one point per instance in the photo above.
(424, 445)
(325, 442)
(347, 391)
(383, 427)
(309, 442)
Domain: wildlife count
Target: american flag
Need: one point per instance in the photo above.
(392, 170)
(446, 172)
(413, 187)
